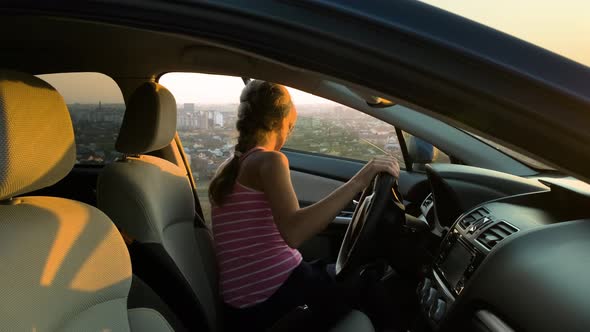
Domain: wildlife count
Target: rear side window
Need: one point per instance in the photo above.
(96, 106)
(206, 123)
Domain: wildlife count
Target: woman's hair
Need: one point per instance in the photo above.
(263, 106)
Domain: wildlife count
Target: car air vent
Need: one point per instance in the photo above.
(498, 232)
(473, 217)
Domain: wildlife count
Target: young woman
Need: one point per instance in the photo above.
(257, 222)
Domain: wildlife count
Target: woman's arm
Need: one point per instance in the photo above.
(297, 225)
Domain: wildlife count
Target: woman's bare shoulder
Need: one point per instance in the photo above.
(272, 159)
(265, 161)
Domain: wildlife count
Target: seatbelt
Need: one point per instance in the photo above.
(198, 210)
(198, 222)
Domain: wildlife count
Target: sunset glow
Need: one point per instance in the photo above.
(215, 89)
(562, 27)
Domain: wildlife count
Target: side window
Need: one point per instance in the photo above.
(207, 112)
(96, 106)
(329, 128)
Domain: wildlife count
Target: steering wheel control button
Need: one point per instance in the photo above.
(424, 286)
(438, 310)
(459, 287)
(429, 298)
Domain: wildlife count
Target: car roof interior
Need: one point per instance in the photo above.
(43, 45)
(125, 53)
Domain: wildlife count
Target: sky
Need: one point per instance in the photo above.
(560, 26)
(85, 88)
(186, 88)
(212, 89)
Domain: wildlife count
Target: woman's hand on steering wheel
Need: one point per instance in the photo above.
(380, 202)
(387, 164)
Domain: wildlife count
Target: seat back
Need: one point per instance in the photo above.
(151, 200)
(64, 265)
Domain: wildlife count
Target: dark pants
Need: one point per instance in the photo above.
(308, 284)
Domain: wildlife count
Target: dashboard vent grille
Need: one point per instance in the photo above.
(498, 232)
(473, 217)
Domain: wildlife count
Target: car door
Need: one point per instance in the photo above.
(314, 177)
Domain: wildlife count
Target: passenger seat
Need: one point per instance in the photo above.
(64, 265)
(151, 200)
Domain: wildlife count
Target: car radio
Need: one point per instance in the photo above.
(457, 260)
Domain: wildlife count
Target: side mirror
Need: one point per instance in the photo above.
(420, 151)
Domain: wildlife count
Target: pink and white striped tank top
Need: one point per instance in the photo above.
(253, 258)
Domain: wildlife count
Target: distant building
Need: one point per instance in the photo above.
(210, 119)
(187, 118)
(108, 114)
(218, 119)
(189, 107)
(204, 120)
(392, 144)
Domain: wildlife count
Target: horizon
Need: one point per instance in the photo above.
(182, 104)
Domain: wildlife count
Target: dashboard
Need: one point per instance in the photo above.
(518, 248)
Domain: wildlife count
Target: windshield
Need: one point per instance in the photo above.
(562, 27)
(516, 155)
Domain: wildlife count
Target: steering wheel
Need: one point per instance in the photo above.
(380, 203)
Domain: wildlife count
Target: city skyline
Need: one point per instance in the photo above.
(96, 127)
(208, 140)
(228, 107)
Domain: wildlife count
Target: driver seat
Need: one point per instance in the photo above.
(64, 265)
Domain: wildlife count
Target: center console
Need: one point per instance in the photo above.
(462, 250)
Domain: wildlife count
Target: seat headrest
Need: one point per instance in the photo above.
(37, 146)
(150, 120)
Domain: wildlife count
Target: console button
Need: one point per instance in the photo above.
(460, 285)
(429, 298)
(438, 310)
(423, 287)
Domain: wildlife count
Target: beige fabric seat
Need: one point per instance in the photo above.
(64, 265)
(152, 201)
